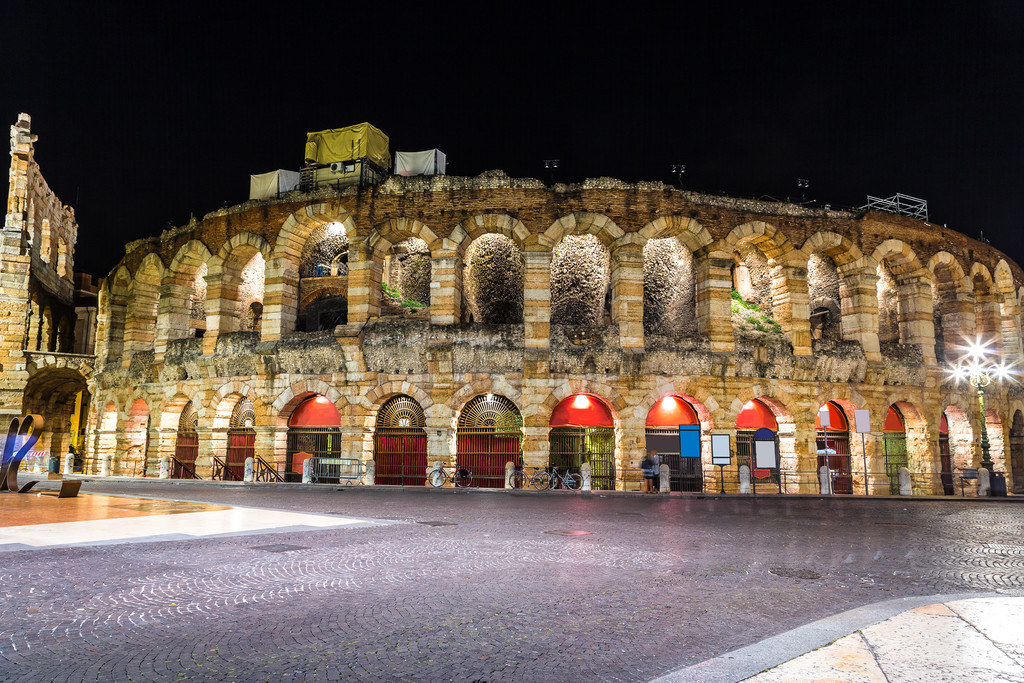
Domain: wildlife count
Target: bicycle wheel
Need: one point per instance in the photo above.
(541, 480)
(437, 478)
(516, 480)
(573, 482)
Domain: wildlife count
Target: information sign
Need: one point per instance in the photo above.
(721, 454)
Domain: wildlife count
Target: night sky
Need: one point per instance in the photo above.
(147, 116)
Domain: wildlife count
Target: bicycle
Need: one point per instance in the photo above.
(520, 479)
(460, 477)
(545, 480)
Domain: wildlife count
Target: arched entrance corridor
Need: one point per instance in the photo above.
(582, 429)
(833, 444)
(894, 447)
(756, 423)
(241, 442)
(945, 461)
(400, 443)
(186, 444)
(489, 434)
(673, 430)
(314, 431)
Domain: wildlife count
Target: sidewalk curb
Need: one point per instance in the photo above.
(752, 659)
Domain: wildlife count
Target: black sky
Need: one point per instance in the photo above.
(146, 115)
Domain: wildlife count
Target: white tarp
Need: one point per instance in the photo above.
(428, 162)
(271, 185)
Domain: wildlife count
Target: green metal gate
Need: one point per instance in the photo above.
(570, 447)
(894, 447)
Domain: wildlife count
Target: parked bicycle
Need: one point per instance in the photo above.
(554, 479)
(520, 478)
(459, 476)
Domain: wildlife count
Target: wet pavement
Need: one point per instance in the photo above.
(486, 586)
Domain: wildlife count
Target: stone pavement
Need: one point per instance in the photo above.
(487, 586)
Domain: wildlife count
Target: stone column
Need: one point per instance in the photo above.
(204, 461)
(172, 320)
(281, 297)
(537, 298)
(791, 306)
(364, 278)
(859, 307)
(627, 284)
(917, 326)
(220, 313)
(445, 285)
(714, 300)
(1010, 330)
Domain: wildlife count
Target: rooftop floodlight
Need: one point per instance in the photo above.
(679, 170)
(803, 182)
(551, 163)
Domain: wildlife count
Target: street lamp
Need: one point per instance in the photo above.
(979, 370)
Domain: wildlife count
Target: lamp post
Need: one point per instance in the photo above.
(979, 371)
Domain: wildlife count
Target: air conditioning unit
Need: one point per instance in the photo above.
(337, 167)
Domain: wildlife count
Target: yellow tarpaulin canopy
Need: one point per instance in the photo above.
(346, 144)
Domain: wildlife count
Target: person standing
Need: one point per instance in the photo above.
(648, 467)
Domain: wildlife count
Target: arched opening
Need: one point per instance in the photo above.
(988, 324)
(143, 300)
(106, 439)
(889, 306)
(242, 290)
(136, 433)
(323, 283)
(753, 291)
(489, 435)
(945, 463)
(579, 282)
(945, 314)
(833, 445)
(241, 443)
(197, 304)
(495, 276)
(400, 442)
(825, 301)
(582, 429)
(756, 428)
(670, 295)
(1017, 451)
(186, 444)
(405, 280)
(314, 431)
(673, 430)
(894, 447)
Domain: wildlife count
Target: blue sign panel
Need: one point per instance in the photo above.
(689, 441)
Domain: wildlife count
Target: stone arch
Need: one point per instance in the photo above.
(463, 235)
(1009, 313)
(170, 408)
(907, 300)
(669, 286)
(784, 419)
(235, 281)
(367, 259)
(488, 385)
(952, 311)
(988, 327)
(286, 401)
(961, 435)
(135, 456)
(581, 223)
(690, 233)
(112, 315)
(143, 300)
(494, 280)
(281, 285)
(226, 397)
(581, 281)
(181, 311)
(841, 260)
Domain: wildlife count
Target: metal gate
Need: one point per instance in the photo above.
(894, 447)
(186, 445)
(570, 447)
(241, 440)
(839, 462)
(764, 478)
(311, 442)
(400, 443)
(685, 474)
(489, 435)
(947, 466)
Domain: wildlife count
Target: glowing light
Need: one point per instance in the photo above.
(581, 401)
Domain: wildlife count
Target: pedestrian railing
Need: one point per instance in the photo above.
(265, 471)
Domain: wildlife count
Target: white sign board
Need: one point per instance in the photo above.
(764, 455)
(720, 454)
(823, 418)
(861, 419)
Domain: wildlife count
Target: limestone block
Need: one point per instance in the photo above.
(984, 483)
(744, 479)
(906, 488)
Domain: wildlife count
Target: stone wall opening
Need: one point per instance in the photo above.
(579, 282)
(888, 306)
(670, 293)
(407, 268)
(825, 299)
(494, 280)
(400, 442)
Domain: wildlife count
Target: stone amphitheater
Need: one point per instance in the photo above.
(494, 320)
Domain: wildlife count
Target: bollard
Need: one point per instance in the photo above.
(984, 483)
(250, 470)
(165, 467)
(665, 479)
(744, 479)
(824, 480)
(510, 468)
(585, 475)
(905, 488)
(69, 463)
(435, 473)
(105, 466)
(370, 474)
(307, 471)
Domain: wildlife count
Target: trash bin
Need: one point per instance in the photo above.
(53, 467)
(998, 484)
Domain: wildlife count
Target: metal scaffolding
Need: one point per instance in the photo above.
(903, 204)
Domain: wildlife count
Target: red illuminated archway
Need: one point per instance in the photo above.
(582, 431)
(754, 417)
(671, 411)
(678, 448)
(833, 446)
(314, 431)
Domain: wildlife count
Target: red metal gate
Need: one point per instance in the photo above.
(401, 456)
(838, 462)
(241, 445)
(186, 445)
(490, 434)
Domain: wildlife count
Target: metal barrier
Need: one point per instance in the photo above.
(336, 470)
